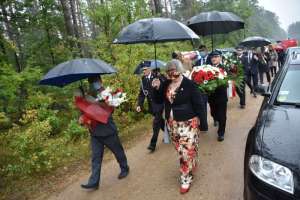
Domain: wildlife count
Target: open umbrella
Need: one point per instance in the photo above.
(215, 22)
(153, 64)
(154, 30)
(75, 70)
(255, 41)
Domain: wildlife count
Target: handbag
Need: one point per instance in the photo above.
(166, 138)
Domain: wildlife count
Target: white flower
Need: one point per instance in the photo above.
(111, 99)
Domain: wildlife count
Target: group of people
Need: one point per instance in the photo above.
(178, 106)
(258, 63)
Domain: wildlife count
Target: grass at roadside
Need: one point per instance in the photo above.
(68, 170)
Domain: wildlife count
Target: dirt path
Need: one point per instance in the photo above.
(155, 176)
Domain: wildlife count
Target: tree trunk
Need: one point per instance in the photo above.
(67, 17)
(157, 5)
(10, 36)
(2, 46)
(166, 8)
(74, 19)
(48, 35)
(91, 24)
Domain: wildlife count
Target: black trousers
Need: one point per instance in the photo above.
(219, 113)
(157, 124)
(113, 143)
(241, 91)
(252, 81)
(261, 77)
(273, 70)
(203, 118)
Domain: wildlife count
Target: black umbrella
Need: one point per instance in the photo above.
(153, 30)
(152, 64)
(255, 41)
(74, 70)
(215, 22)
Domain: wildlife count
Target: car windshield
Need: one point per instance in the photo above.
(289, 92)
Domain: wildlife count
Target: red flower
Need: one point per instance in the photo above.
(117, 91)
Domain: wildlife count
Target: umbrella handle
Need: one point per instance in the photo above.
(81, 89)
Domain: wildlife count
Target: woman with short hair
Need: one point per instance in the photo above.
(183, 105)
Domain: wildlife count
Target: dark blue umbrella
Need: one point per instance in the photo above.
(75, 70)
(149, 63)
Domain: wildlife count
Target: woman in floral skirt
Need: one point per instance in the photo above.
(183, 108)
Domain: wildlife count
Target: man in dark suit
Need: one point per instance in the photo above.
(241, 91)
(204, 58)
(104, 135)
(250, 63)
(218, 99)
(146, 91)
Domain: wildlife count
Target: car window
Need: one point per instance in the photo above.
(289, 90)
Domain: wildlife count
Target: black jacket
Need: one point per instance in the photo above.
(188, 102)
(250, 66)
(146, 91)
(104, 130)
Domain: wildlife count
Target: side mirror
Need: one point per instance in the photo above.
(263, 90)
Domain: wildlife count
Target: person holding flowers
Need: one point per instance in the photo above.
(218, 98)
(103, 133)
(183, 106)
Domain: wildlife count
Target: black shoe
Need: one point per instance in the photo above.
(254, 95)
(94, 186)
(123, 173)
(151, 148)
(242, 106)
(220, 138)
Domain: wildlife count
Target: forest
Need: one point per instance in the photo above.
(39, 132)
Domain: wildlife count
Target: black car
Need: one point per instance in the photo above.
(272, 155)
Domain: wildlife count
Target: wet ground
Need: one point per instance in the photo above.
(155, 176)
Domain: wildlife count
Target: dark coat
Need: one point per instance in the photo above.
(104, 130)
(188, 102)
(250, 66)
(147, 91)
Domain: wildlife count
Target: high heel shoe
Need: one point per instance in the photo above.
(184, 189)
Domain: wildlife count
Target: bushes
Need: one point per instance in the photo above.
(74, 131)
(28, 149)
(31, 148)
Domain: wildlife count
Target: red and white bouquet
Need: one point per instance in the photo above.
(209, 78)
(112, 98)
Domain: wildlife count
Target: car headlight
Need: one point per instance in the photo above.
(272, 173)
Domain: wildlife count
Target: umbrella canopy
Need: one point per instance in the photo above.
(153, 30)
(215, 22)
(153, 64)
(289, 43)
(74, 70)
(255, 42)
(227, 50)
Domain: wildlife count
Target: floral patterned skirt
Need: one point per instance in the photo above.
(184, 136)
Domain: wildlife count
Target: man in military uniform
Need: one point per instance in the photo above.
(218, 99)
(146, 91)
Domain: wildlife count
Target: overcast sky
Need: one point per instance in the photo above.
(288, 11)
